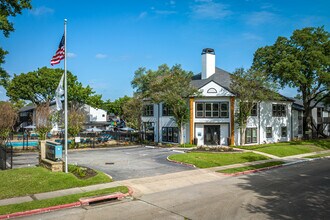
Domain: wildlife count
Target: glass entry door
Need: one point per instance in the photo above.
(211, 134)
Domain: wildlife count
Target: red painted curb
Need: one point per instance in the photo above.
(182, 163)
(64, 206)
(38, 211)
(252, 171)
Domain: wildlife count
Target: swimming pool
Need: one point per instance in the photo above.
(26, 144)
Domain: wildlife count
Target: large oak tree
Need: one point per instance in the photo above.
(9, 8)
(301, 61)
(170, 86)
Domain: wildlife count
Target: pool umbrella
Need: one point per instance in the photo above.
(94, 130)
(30, 127)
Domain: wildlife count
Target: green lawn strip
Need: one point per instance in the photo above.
(318, 155)
(205, 160)
(32, 180)
(187, 145)
(37, 204)
(284, 149)
(252, 167)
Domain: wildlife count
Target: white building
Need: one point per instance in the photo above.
(212, 115)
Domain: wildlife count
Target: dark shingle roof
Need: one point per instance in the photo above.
(299, 103)
(220, 77)
(27, 108)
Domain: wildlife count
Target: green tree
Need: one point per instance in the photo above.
(39, 87)
(43, 120)
(9, 8)
(132, 112)
(116, 106)
(8, 116)
(251, 88)
(170, 86)
(76, 120)
(302, 61)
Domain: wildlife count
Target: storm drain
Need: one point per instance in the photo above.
(109, 163)
(101, 199)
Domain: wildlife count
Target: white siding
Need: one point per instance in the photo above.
(213, 89)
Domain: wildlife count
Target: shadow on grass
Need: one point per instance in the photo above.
(251, 158)
(288, 193)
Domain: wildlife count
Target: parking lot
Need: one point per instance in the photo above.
(121, 162)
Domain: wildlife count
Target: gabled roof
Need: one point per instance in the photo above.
(221, 77)
(299, 103)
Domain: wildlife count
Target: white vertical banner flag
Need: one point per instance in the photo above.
(58, 93)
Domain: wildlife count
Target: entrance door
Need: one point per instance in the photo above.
(211, 134)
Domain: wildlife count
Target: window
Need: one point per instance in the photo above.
(300, 129)
(212, 110)
(284, 132)
(208, 110)
(224, 113)
(167, 111)
(251, 135)
(269, 132)
(148, 110)
(199, 110)
(279, 110)
(254, 110)
(170, 134)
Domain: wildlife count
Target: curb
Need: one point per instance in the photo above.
(182, 163)
(82, 202)
(41, 210)
(253, 171)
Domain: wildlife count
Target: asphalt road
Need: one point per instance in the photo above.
(121, 162)
(300, 191)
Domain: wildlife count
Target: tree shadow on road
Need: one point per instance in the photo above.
(286, 194)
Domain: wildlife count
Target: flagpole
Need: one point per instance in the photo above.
(65, 103)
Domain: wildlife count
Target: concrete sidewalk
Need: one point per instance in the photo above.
(149, 185)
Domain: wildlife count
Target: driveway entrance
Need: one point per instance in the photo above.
(127, 163)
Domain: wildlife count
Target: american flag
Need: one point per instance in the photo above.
(60, 53)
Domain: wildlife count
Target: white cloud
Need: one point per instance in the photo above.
(101, 56)
(259, 18)
(172, 2)
(71, 55)
(207, 9)
(41, 11)
(165, 12)
(142, 15)
(250, 36)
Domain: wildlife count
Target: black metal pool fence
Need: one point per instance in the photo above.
(6, 156)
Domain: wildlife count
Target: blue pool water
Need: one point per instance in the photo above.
(20, 144)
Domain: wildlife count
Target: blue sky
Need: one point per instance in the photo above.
(108, 40)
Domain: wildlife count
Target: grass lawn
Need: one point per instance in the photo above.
(252, 167)
(319, 155)
(205, 160)
(284, 149)
(26, 181)
(7, 209)
(187, 145)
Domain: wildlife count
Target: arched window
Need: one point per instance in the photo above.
(212, 90)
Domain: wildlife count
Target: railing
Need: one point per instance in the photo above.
(6, 156)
